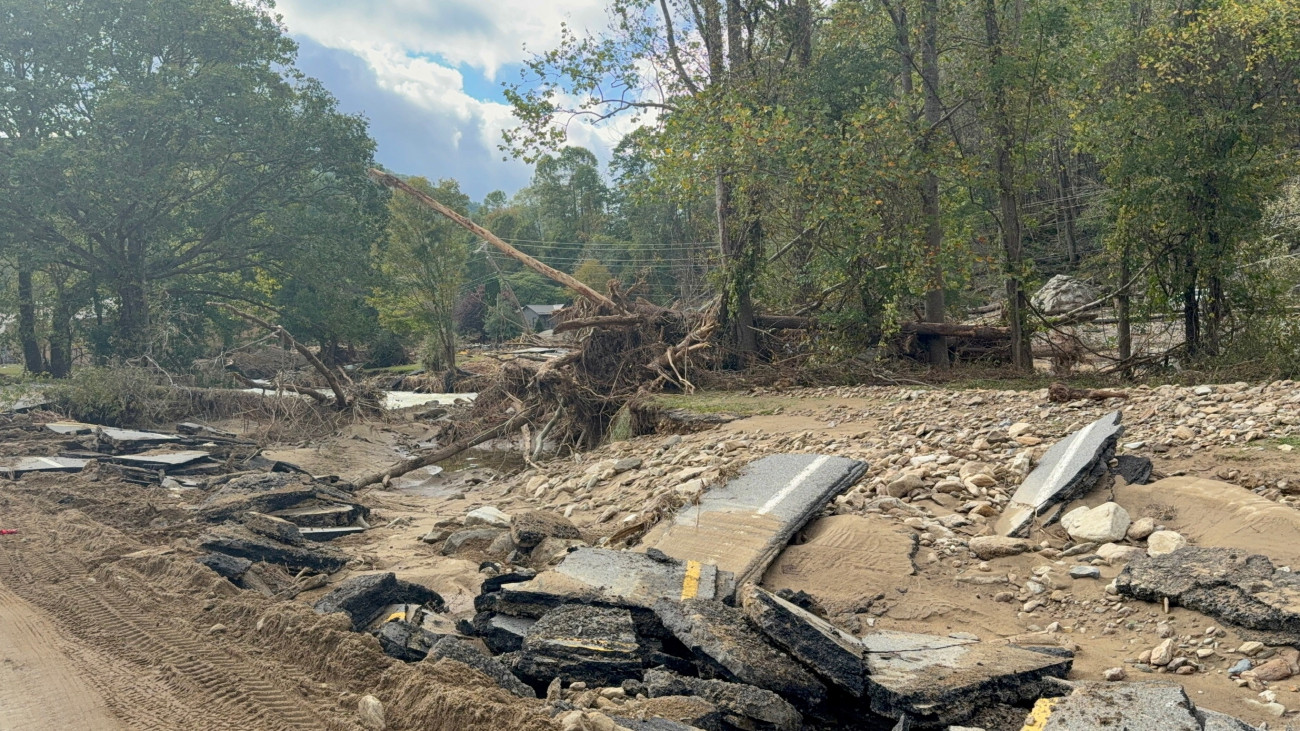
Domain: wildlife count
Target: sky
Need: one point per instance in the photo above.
(427, 75)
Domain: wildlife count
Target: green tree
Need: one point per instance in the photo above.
(171, 140)
(421, 267)
(593, 274)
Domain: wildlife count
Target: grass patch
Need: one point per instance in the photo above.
(11, 370)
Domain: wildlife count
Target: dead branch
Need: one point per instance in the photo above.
(951, 330)
(1060, 393)
(315, 395)
(447, 452)
(340, 396)
(392, 181)
(605, 321)
(783, 322)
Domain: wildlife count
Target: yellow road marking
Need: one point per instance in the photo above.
(396, 615)
(691, 584)
(1038, 717)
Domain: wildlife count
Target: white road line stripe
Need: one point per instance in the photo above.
(794, 484)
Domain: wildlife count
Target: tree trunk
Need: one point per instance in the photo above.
(61, 334)
(1065, 207)
(738, 236)
(33, 358)
(1122, 314)
(132, 319)
(936, 347)
(1017, 303)
(1191, 311)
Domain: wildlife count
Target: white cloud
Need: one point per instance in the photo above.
(396, 39)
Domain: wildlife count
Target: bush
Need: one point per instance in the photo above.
(386, 352)
(120, 396)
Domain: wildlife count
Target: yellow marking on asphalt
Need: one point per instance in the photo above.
(396, 615)
(691, 584)
(1038, 717)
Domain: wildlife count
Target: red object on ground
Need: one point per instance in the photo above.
(8, 532)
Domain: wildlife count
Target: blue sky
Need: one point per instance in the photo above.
(428, 73)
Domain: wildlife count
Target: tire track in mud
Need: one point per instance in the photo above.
(161, 674)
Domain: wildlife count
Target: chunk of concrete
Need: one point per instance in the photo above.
(255, 548)
(457, 649)
(364, 597)
(1228, 584)
(744, 706)
(831, 653)
(530, 528)
(1068, 469)
(576, 642)
(614, 578)
(942, 680)
(726, 647)
(1129, 706)
(742, 526)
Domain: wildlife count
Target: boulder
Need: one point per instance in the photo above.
(528, 529)
(488, 516)
(1106, 523)
(1061, 294)
(472, 540)
(1164, 541)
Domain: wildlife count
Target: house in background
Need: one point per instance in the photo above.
(539, 317)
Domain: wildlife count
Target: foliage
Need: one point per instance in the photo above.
(421, 262)
(503, 322)
(593, 274)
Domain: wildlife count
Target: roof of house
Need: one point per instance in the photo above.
(544, 309)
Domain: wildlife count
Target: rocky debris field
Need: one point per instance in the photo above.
(828, 558)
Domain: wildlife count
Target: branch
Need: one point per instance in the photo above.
(415, 463)
(317, 396)
(392, 181)
(340, 396)
(672, 49)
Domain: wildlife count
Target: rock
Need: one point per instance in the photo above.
(1184, 434)
(1163, 653)
(1019, 429)
(1271, 671)
(1224, 583)
(830, 652)
(1141, 528)
(272, 527)
(761, 708)
(1105, 523)
(1069, 468)
(1115, 553)
(903, 485)
(1240, 667)
(1164, 541)
(726, 647)
(577, 642)
(1085, 572)
(528, 529)
(987, 547)
(1250, 648)
(1062, 294)
(1114, 674)
(371, 713)
(487, 516)
(684, 712)
(364, 597)
(472, 540)
(625, 464)
(457, 649)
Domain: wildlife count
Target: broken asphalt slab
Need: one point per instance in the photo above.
(364, 598)
(944, 680)
(1229, 584)
(45, 464)
(1127, 706)
(461, 651)
(245, 544)
(743, 706)
(726, 647)
(1070, 467)
(742, 526)
(614, 578)
(831, 653)
(581, 643)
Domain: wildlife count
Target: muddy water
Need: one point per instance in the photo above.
(455, 474)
